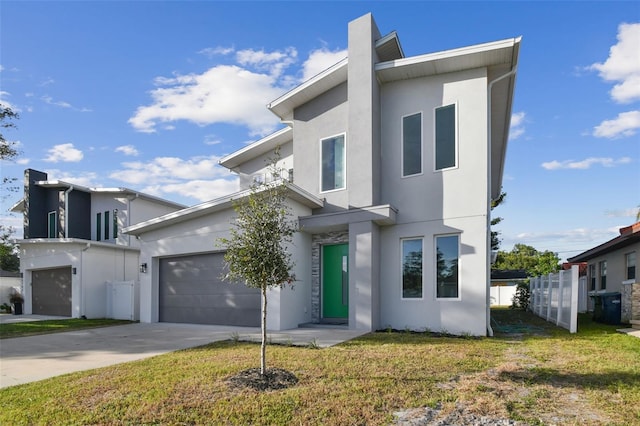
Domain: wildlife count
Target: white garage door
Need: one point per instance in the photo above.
(191, 291)
(51, 291)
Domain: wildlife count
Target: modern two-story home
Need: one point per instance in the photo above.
(392, 164)
(73, 244)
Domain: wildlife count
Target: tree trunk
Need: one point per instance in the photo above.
(263, 345)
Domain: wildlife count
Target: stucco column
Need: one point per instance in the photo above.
(364, 276)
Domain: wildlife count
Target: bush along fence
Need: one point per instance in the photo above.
(554, 297)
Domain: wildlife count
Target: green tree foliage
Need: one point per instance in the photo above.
(495, 235)
(9, 260)
(257, 247)
(528, 258)
(8, 151)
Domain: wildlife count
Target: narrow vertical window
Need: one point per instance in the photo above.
(98, 226)
(115, 224)
(447, 277)
(630, 259)
(592, 276)
(52, 225)
(603, 275)
(445, 137)
(412, 268)
(412, 144)
(333, 169)
(106, 225)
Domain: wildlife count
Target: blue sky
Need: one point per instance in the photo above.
(149, 95)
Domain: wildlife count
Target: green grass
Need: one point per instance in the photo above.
(31, 328)
(540, 377)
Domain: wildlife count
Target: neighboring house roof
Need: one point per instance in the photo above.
(513, 274)
(219, 204)
(628, 235)
(19, 206)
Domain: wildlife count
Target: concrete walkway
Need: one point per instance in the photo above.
(29, 359)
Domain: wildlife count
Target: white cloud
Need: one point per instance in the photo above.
(87, 179)
(65, 152)
(626, 124)
(6, 103)
(631, 212)
(214, 51)
(623, 65)
(585, 164)
(49, 100)
(128, 150)
(273, 62)
(211, 140)
(222, 94)
(319, 60)
(516, 128)
(164, 170)
(201, 190)
(23, 161)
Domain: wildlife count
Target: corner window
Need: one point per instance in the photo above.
(592, 276)
(412, 144)
(445, 119)
(447, 278)
(52, 228)
(603, 275)
(630, 260)
(412, 268)
(98, 226)
(333, 168)
(106, 225)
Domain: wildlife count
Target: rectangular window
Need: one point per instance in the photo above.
(412, 268)
(53, 225)
(333, 171)
(98, 226)
(630, 260)
(115, 224)
(603, 275)
(412, 144)
(447, 254)
(106, 225)
(592, 276)
(445, 137)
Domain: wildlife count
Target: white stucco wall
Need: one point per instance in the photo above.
(260, 165)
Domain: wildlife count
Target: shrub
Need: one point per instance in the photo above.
(521, 298)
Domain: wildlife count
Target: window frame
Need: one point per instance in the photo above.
(402, 145)
(602, 274)
(53, 234)
(455, 136)
(106, 225)
(344, 156)
(402, 270)
(627, 266)
(435, 267)
(592, 277)
(115, 224)
(99, 226)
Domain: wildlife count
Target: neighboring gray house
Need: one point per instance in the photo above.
(73, 244)
(393, 162)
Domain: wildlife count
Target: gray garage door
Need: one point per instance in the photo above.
(191, 291)
(51, 291)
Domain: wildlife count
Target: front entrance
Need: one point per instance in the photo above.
(335, 281)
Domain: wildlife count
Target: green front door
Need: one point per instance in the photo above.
(335, 281)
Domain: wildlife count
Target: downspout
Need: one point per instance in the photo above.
(66, 211)
(488, 277)
(82, 302)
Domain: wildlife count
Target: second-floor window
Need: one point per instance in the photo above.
(445, 134)
(52, 225)
(333, 168)
(630, 260)
(106, 225)
(98, 226)
(412, 144)
(115, 223)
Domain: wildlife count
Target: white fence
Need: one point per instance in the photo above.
(554, 297)
(502, 295)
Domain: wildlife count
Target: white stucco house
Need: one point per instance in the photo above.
(73, 247)
(393, 162)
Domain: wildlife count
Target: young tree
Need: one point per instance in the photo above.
(257, 247)
(9, 260)
(495, 235)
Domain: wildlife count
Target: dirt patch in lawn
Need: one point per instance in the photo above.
(273, 379)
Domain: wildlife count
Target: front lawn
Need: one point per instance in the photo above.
(30, 328)
(543, 375)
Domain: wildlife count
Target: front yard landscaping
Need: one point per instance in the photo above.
(530, 372)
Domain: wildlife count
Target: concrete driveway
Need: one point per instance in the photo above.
(29, 359)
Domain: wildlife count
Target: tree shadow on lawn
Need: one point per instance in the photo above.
(556, 378)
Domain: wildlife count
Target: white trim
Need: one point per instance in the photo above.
(422, 292)
(402, 175)
(456, 142)
(344, 135)
(435, 267)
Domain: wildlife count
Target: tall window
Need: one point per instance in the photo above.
(115, 223)
(630, 260)
(592, 276)
(412, 268)
(98, 226)
(333, 170)
(412, 144)
(52, 225)
(447, 254)
(603, 274)
(106, 225)
(445, 137)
